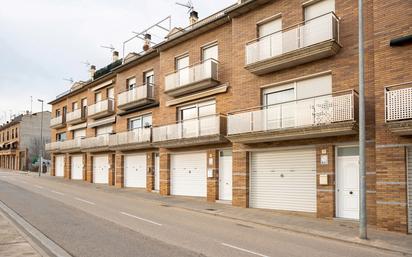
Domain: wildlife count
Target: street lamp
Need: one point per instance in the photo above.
(41, 138)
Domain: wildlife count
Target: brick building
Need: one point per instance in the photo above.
(255, 105)
(20, 142)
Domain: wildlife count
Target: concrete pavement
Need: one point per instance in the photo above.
(156, 219)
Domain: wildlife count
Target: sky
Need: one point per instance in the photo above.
(44, 42)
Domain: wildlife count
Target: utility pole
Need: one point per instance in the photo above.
(362, 129)
(41, 139)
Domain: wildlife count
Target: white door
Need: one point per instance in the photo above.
(182, 65)
(318, 25)
(347, 183)
(225, 175)
(77, 167)
(410, 190)
(157, 172)
(135, 170)
(101, 169)
(283, 180)
(59, 166)
(270, 42)
(188, 174)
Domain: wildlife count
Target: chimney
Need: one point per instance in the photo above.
(194, 17)
(147, 39)
(115, 56)
(92, 70)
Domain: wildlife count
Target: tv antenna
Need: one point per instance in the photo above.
(87, 63)
(69, 79)
(188, 5)
(110, 47)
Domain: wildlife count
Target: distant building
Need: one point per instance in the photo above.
(20, 142)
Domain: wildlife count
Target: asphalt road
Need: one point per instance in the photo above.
(89, 222)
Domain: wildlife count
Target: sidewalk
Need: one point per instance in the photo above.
(12, 241)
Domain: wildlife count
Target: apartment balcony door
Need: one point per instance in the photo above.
(182, 65)
(270, 43)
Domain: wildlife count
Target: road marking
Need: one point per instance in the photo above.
(133, 216)
(244, 250)
(24, 182)
(56, 192)
(85, 201)
(40, 187)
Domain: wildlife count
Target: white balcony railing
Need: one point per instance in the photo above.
(203, 126)
(310, 32)
(100, 107)
(136, 94)
(95, 142)
(398, 102)
(74, 115)
(71, 144)
(322, 110)
(207, 69)
(56, 121)
(53, 146)
(131, 137)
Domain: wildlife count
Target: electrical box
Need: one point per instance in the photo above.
(323, 179)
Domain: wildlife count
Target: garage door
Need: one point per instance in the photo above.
(135, 171)
(410, 190)
(284, 180)
(59, 166)
(188, 174)
(77, 167)
(101, 169)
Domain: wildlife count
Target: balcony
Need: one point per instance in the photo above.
(308, 41)
(70, 146)
(398, 108)
(200, 131)
(192, 78)
(75, 117)
(53, 147)
(322, 116)
(57, 122)
(136, 97)
(101, 109)
(136, 139)
(95, 144)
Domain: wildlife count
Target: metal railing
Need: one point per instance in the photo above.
(71, 144)
(131, 137)
(53, 146)
(310, 32)
(136, 94)
(56, 121)
(191, 128)
(207, 69)
(398, 102)
(74, 115)
(95, 142)
(102, 106)
(315, 111)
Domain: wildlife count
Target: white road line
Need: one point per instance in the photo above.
(243, 250)
(130, 215)
(56, 192)
(40, 187)
(85, 201)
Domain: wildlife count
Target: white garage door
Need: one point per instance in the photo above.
(135, 171)
(59, 166)
(101, 169)
(410, 190)
(284, 180)
(77, 167)
(188, 174)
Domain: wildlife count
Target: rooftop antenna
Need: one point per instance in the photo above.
(188, 5)
(87, 63)
(69, 79)
(110, 47)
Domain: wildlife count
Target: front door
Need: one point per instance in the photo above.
(225, 175)
(347, 185)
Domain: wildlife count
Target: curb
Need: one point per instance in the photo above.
(42, 244)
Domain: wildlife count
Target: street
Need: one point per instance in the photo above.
(89, 222)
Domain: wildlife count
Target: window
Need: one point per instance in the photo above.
(58, 113)
(319, 8)
(61, 136)
(64, 113)
(79, 133)
(110, 93)
(148, 77)
(104, 130)
(131, 83)
(198, 119)
(75, 106)
(182, 65)
(270, 43)
(84, 107)
(144, 121)
(17, 135)
(317, 25)
(197, 110)
(210, 52)
(182, 62)
(98, 97)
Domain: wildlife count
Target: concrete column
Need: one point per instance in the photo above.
(325, 192)
(213, 182)
(150, 159)
(164, 171)
(119, 170)
(240, 176)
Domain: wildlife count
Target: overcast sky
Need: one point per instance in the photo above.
(44, 41)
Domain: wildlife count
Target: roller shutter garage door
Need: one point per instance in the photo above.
(283, 180)
(77, 167)
(135, 171)
(59, 166)
(101, 169)
(188, 174)
(410, 190)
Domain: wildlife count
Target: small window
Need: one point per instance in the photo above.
(98, 97)
(348, 151)
(210, 52)
(75, 106)
(58, 113)
(110, 93)
(131, 83)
